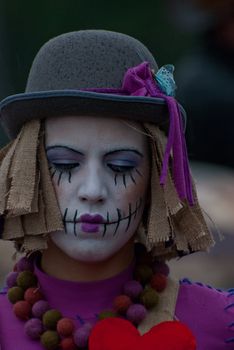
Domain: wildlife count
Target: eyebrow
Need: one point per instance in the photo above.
(60, 146)
(125, 150)
(107, 154)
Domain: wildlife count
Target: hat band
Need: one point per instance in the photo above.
(139, 81)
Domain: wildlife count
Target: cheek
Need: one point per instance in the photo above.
(132, 194)
(63, 192)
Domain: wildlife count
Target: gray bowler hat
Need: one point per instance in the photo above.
(70, 63)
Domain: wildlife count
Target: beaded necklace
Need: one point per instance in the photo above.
(54, 331)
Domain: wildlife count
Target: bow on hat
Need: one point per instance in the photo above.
(140, 81)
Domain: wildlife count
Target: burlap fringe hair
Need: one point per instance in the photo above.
(173, 227)
(28, 201)
(30, 209)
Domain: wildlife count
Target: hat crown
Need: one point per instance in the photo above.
(86, 59)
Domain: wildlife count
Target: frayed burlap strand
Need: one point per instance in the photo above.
(171, 198)
(53, 218)
(164, 200)
(23, 170)
(158, 227)
(191, 222)
(13, 228)
(30, 206)
(35, 223)
(35, 200)
(34, 243)
(173, 225)
(6, 159)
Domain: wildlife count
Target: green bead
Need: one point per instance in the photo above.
(51, 318)
(143, 273)
(149, 298)
(50, 340)
(26, 279)
(106, 314)
(15, 294)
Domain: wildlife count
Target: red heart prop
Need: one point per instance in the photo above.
(119, 334)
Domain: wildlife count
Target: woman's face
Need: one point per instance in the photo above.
(100, 171)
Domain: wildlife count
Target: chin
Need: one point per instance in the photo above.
(87, 250)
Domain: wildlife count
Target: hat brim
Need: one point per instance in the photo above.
(17, 109)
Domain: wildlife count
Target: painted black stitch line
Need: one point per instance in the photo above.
(119, 219)
(105, 224)
(59, 178)
(137, 208)
(133, 213)
(138, 172)
(64, 219)
(74, 220)
(129, 216)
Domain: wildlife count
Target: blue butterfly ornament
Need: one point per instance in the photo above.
(165, 79)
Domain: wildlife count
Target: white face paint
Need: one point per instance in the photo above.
(100, 171)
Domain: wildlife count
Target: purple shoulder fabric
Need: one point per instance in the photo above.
(209, 313)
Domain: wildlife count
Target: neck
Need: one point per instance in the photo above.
(57, 264)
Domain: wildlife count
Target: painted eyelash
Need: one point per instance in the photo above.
(61, 172)
(130, 174)
(67, 169)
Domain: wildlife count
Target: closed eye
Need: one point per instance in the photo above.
(65, 166)
(121, 168)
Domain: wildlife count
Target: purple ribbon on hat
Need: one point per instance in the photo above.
(139, 81)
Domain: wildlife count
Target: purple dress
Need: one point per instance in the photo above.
(209, 313)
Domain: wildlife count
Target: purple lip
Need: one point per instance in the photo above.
(87, 227)
(91, 219)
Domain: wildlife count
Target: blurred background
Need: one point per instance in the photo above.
(195, 35)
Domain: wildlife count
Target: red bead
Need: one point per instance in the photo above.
(22, 309)
(161, 267)
(158, 282)
(122, 303)
(32, 295)
(68, 344)
(65, 327)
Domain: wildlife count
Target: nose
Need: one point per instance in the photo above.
(92, 188)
